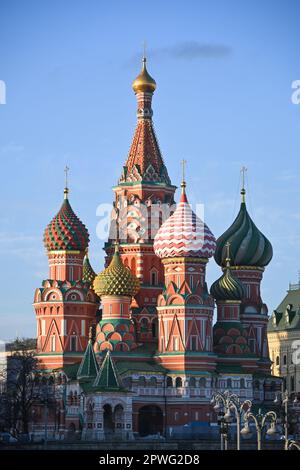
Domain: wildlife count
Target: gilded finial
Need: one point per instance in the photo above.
(90, 333)
(243, 191)
(227, 259)
(66, 190)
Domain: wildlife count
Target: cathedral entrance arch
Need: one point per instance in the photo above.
(150, 420)
(108, 420)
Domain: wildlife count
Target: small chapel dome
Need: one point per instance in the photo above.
(249, 247)
(144, 82)
(228, 287)
(66, 231)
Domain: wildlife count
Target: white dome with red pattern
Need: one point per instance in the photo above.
(183, 234)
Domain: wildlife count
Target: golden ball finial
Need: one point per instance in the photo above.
(144, 82)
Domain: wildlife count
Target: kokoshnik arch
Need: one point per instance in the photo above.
(134, 348)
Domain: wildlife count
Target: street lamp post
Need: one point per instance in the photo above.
(260, 421)
(230, 402)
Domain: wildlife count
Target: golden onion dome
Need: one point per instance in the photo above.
(116, 279)
(228, 287)
(144, 82)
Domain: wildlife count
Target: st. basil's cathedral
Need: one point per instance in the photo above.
(134, 348)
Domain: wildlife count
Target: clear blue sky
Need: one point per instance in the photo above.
(223, 71)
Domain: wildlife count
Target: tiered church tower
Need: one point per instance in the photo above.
(185, 308)
(144, 197)
(250, 252)
(65, 305)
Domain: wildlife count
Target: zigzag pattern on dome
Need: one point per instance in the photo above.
(184, 234)
(66, 231)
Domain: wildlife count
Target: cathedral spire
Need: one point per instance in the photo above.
(243, 190)
(66, 190)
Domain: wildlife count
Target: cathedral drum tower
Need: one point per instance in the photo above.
(185, 307)
(250, 253)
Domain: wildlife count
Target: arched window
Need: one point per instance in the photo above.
(284, 360)
(133, 266)
(142, 381)
(243, 384)
(292, 381)
(53, 343)
(256, 385)
(277, 360)
(178, 382)
(169, 382)
(73, 343)
(229, 383)
(127, 382)
(153, 382)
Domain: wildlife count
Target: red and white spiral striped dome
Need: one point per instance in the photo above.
(184, 234)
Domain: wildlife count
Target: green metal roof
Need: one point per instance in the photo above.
(71, 371)
(230, 369)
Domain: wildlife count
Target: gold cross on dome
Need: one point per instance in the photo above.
(228, 249)
(243, 171)
(227, 260)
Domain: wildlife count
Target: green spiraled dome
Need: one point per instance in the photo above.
(248, 246)
(227, 287)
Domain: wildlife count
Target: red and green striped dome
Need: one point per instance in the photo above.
(66, 231)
